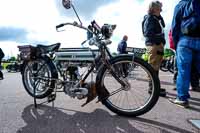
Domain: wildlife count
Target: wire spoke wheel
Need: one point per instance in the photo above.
(37, 77)
(136, 97)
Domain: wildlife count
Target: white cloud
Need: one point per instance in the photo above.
(9, 48)
(39, 18)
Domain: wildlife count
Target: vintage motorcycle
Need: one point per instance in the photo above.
(168, 61)
(117, 83)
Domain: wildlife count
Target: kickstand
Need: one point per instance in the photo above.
(50, 98)
(34, 91)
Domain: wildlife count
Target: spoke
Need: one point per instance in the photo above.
(128, 100)
(116, 91)
(41, 66)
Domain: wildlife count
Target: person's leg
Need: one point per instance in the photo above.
(184, 59)
(175, 70)
(195, 72)
(155, 53)
(194, 76)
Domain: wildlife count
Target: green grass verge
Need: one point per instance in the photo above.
(5, 65)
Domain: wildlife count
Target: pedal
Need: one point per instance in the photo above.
(51, 98)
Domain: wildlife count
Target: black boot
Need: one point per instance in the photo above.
(162, 90)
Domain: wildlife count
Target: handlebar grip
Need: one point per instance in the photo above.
(60, 25)
(95, 25)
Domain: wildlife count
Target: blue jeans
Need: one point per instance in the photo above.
(188, 49)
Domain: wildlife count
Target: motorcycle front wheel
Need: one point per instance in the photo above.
(38, 78)
(136, 97)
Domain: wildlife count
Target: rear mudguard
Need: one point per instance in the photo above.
(48, 60)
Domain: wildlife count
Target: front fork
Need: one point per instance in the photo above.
(113, 72)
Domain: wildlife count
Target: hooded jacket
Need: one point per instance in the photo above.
(153, 29)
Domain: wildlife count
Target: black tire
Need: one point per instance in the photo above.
(171, 69)
(171, 66)
(164, 67)
(45, 70)
(138, 85)
(8, 68)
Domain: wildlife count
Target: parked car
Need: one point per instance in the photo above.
(13, 67)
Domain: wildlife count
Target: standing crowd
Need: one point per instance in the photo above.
(184, 38)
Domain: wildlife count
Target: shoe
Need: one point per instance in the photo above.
(174, 88)
(162, 92)
(1, 78)
(180, 103)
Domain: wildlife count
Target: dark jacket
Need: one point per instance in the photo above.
(153, 29)
(122, 47)
(1, 54)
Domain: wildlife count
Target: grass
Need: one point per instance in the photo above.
(5, 65)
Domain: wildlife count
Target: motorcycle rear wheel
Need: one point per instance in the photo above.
(37, 77)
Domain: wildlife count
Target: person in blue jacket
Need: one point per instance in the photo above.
(122, 50)
(123, 45)
(187, 44)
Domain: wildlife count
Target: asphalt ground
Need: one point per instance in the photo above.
(18, 115)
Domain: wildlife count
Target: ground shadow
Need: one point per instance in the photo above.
(191, 98)
(194, 102)
(48, 119)
(166, 83)
(161, 126)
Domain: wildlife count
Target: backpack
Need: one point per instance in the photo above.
(1, 54)
(190, 24)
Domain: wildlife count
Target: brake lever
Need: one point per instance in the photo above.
(59, 26)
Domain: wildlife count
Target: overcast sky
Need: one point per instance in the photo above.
(33, 21)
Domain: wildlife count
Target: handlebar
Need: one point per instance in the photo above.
(73, 24)
(94, 29)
